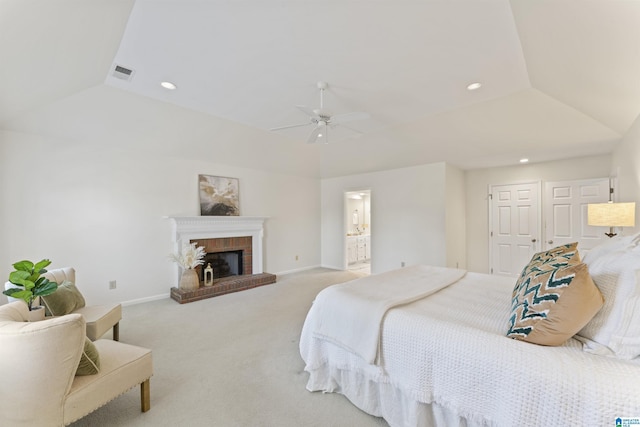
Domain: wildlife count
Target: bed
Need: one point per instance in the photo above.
(439, 355)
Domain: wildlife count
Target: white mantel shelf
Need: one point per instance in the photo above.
(187, 228)
(184, 223)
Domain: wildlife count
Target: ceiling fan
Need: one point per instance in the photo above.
(322, 120)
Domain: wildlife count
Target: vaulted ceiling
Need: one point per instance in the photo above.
(560, 78)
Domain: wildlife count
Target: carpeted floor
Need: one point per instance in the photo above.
(232, 360)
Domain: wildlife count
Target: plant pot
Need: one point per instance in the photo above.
(189, 280)
(36, 314)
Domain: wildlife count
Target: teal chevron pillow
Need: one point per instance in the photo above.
(554, 298)
(564, 253)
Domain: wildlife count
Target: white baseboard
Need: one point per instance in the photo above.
(145, 299)
(297, 270)
(333, 267)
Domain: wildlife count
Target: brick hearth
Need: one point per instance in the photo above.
(223, 286)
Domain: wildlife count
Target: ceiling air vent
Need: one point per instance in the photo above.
(123, 73)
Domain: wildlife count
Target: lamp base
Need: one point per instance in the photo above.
(610, 233)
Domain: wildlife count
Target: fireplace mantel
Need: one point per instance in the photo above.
(187, 228)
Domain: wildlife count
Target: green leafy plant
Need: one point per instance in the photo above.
(29, 282)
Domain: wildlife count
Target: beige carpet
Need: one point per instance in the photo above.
(232, 360)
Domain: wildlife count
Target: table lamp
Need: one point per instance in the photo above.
(611, 215)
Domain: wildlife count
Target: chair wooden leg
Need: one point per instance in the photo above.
(116, 332)
(145, 396)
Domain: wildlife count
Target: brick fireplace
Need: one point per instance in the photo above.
(218, 235)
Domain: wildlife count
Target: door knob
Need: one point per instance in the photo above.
(550, 242)
(534, 240)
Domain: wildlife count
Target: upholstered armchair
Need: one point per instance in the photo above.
(99, 318)
(38, 363)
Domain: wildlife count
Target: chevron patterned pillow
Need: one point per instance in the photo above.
(554, 298)
(568, 253)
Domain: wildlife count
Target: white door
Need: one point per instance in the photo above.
(566, 212)
(514, 226)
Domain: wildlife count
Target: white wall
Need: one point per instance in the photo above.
(625, 164)
(101, 211)
(5, 206)
(407, 216)
(455, 218)
(478, 182)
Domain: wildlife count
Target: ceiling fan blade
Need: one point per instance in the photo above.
(323, 137)
(349, 117)
(319, 134)
(313, 136)
(308, 111)
(291, 126)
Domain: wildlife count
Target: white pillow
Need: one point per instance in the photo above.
(615, 329)
(613, 244)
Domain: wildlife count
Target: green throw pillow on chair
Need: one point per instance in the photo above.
(64, 300)
(90, 360)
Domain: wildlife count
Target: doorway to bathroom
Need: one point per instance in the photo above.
(358, 231)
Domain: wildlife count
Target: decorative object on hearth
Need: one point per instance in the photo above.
(189, 280)
(27, 283)
(218, 195)
(188, 259)
(208, 275)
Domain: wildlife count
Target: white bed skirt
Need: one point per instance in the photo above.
(383, 399)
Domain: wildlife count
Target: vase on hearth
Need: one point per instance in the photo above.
(189, 280)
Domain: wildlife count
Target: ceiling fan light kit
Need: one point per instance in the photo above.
(322, 120)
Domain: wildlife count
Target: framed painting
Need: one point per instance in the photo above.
(218, 196)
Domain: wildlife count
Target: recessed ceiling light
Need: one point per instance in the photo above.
(524, 160)
(168, 85)
(474, 86)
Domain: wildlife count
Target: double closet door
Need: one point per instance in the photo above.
(526, 218)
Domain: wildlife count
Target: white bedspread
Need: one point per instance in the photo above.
(350, 314)
(449, 351)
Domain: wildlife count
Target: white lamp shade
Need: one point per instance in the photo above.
(612, 214)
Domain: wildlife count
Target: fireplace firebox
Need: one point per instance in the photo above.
(235, 251)
(224, 264)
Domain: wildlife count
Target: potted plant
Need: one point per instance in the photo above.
(27, 283)
(190, 257)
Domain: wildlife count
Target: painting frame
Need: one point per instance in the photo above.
(218, 195)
